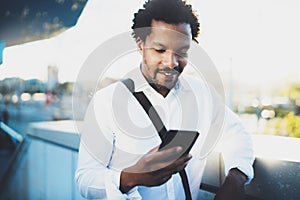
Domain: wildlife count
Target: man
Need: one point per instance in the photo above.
(128, 163)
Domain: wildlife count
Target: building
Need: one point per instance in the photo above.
(52, 83)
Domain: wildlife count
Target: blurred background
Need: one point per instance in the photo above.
(254, 45)
(30, 89)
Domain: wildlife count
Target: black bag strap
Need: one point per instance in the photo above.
(151, 112)
(147, 106)
(159, 126)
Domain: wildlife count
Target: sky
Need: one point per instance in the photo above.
(251, 42)
(27, 20)
(257, 40)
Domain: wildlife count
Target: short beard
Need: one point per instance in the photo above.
(160, 88)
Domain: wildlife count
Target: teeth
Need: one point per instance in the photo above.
(168, 74)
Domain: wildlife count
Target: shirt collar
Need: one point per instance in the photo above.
(140, 82)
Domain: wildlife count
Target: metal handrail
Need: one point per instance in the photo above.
(11, 132)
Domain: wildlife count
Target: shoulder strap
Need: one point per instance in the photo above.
(129, 84)
(159, 126)
(147, 106)
(151, 112)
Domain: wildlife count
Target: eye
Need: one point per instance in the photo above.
(182, 53)
(160, 50)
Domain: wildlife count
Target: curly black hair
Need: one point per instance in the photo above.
(169, 11)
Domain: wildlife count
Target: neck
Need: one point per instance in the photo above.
(160, 89)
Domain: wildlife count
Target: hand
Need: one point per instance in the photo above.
(154, 168)
(233, 186)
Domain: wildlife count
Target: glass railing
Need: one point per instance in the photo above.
(10, 142)
(46, 163)
(42, 169)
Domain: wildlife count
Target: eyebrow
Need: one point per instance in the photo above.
(161, 45)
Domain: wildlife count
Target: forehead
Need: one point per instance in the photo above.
(172, 34)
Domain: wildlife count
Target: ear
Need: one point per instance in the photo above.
(140, 45)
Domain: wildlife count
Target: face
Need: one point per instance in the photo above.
(164, 54)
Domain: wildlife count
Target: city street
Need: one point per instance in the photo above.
(21, 115)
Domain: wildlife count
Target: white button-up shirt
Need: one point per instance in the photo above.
(117, 132)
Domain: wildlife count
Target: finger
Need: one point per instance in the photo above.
(166, 178)
(179, 164)
(185, 158)
(159, 179)
(169, 171)
(175, 166)
(181, 161)
(155, 149)
(164, 156)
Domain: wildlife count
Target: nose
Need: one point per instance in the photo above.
(170, 59)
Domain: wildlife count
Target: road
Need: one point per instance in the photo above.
(21, 115)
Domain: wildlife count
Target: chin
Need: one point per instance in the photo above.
(168, 86)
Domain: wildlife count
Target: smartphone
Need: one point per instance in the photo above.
(185, 139)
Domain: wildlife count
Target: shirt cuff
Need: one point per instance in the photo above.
(112, 185)
(246, 169)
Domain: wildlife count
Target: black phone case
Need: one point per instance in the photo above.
(185, 139)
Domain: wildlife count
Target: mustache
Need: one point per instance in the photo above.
(177, 69)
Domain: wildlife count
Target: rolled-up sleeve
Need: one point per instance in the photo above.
(96, 181)
(236, 146)
(94, 177)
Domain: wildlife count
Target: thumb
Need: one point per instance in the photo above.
(155, 149)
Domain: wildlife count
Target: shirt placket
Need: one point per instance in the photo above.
(170, 189)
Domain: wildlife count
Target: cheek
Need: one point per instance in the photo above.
(183, 62)
(150, 66)
(151, 60)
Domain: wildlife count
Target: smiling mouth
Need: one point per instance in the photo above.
(169, 72)
(169, 75)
